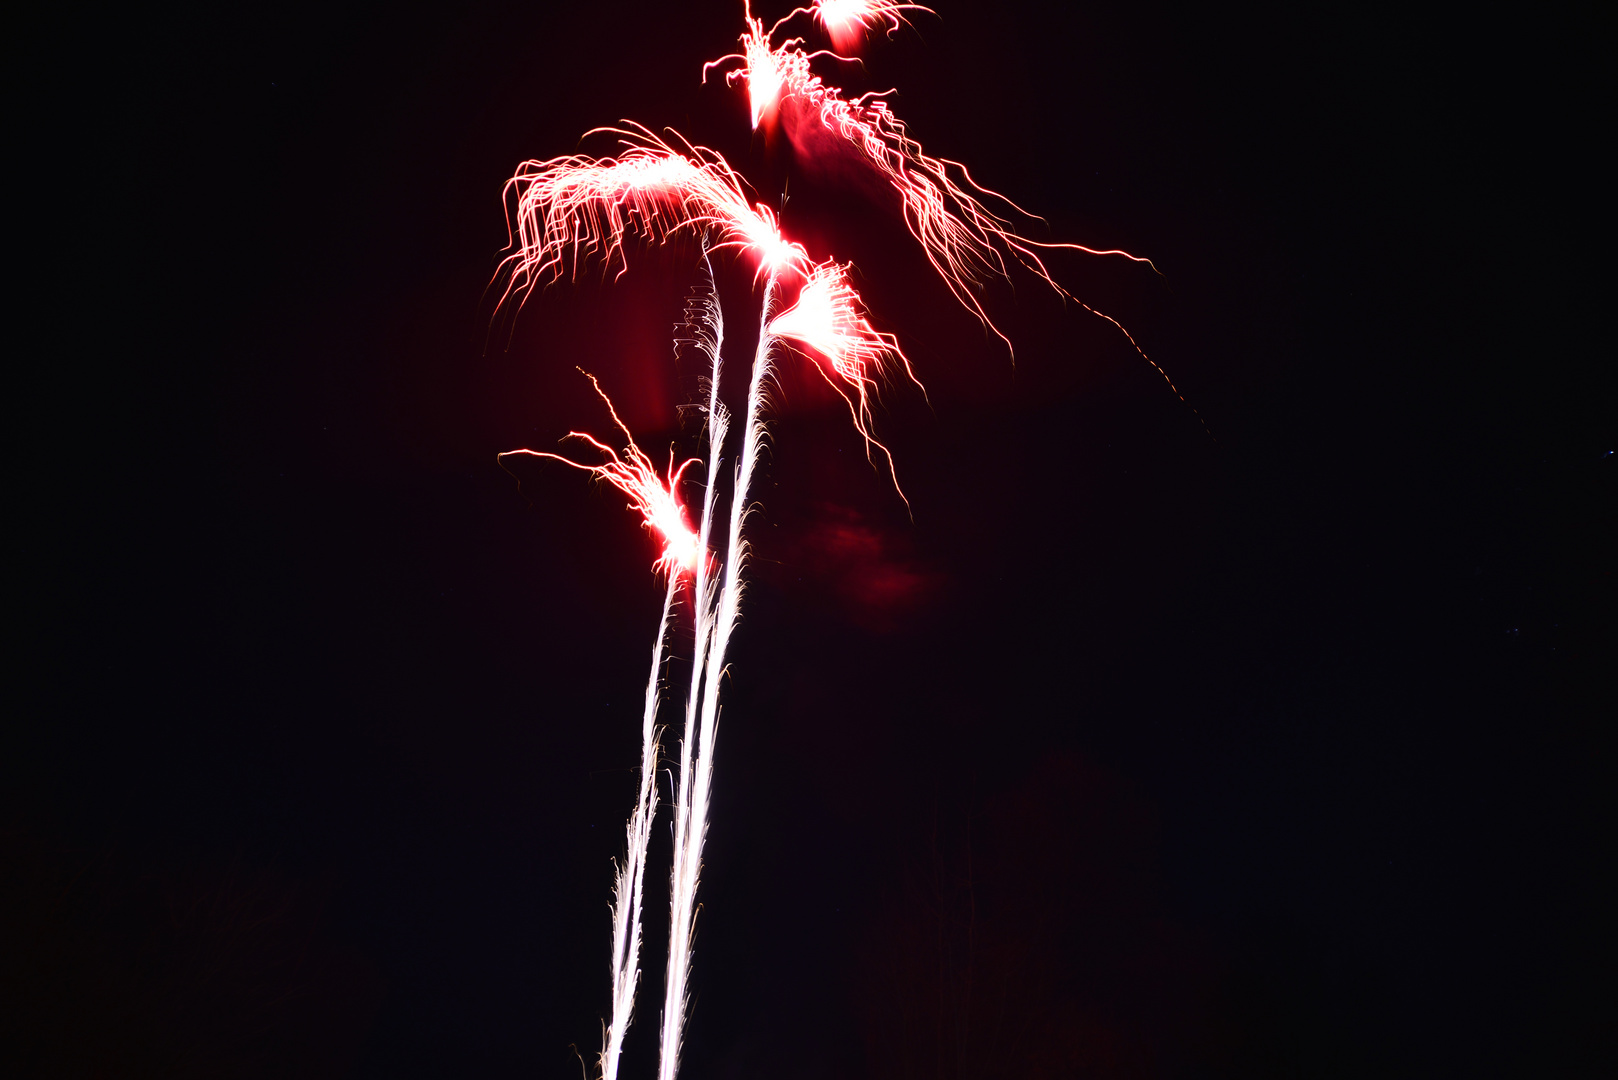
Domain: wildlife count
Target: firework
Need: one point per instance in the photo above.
(662, 513)
(576, 209)
(655, 498)
(847, 22)
(828, 319)
(706, 319)
(630, 875)
(962, 239)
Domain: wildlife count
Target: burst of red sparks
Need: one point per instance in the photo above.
(655, 498)
(766, 69)
(829, 319)
(846, 21)
(578, 206)
(764, 75)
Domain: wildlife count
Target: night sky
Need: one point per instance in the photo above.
(1263, 734)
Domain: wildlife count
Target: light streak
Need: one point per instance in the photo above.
(829, 319)
(577, 207)
(706, 318)
(656, 499)
(630, 875)
(846, 21)
(695, 805)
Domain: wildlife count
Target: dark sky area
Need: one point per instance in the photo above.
(1262, 734)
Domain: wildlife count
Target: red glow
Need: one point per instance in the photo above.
(869, 573)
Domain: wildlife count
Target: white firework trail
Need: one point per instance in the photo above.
(706, 319)
(657, 498)
(629, 887)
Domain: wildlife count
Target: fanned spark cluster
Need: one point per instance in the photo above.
(847, 21)
(656, 498)
(829, 319)
(575, 209)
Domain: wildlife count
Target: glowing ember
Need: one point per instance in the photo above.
(656, 499)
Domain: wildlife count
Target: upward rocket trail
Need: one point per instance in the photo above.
(575, 209)
(706, 320)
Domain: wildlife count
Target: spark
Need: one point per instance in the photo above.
(829, 319)
(576, 207)
(963, 240)
(846, 21)
(657, 499)
(630, 875)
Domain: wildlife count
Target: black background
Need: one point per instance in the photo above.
(1270, 747)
